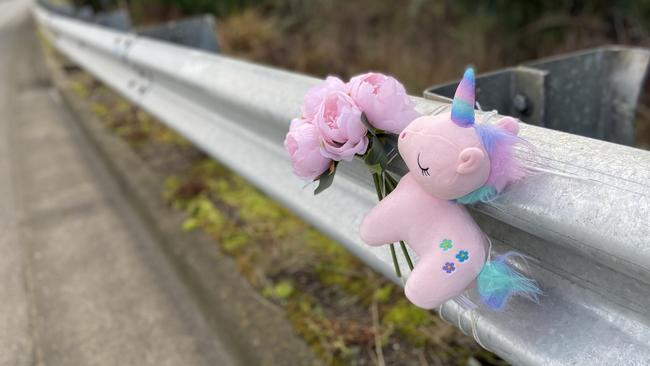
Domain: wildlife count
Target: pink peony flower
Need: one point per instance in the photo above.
(339, 123)
(384, 101)
(315, 95)
(302, 144)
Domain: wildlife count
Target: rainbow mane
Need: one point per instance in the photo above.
(498, 142)
(504, 167)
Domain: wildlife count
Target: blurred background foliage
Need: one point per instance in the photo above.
(421, 42)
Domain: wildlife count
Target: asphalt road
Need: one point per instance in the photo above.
(83, 282)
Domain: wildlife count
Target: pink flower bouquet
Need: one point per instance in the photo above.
(340, 121)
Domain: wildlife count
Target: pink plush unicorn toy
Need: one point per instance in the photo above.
(452, 161)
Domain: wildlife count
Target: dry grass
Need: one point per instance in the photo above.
(420, 42)
(357, 41)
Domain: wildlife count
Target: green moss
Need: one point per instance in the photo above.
(79, 89)
(202, 213)
(191, 223)
(170, 188)
(252, 205)
(383, 294)
(325, 337)
(403, 314)
(100, 110)
(281, 290)
(408, 320)
(122, 106)
(209, 168)
(234, 241)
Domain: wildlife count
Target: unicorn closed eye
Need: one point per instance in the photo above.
(452, 161)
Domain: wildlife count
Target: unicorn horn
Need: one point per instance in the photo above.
(462, 108)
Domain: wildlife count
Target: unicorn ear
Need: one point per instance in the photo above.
(470, 160)
(462, 108)
(509, 124)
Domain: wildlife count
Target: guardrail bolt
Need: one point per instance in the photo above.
(521, 103)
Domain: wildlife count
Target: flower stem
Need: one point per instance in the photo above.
(393, 254)
(380, 196)
(391, 183)
(406, 254)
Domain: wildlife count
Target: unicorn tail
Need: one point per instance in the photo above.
(498, 282)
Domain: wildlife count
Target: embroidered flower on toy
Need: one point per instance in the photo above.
(449, 267)
(446, 244)
(462, 256)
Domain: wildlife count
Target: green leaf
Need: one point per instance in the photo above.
(376, 154)
(375, 169)
(190, 224)
(326, 179)
(281, 290)
(382, 294)
(234, 241)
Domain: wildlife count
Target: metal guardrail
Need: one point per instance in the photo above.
(586, 225)
(590, 93)
(197, 32)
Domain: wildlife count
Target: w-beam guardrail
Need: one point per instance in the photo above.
(584, 220)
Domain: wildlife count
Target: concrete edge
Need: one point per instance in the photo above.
(257, 329)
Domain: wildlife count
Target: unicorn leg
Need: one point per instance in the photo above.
(438, 277)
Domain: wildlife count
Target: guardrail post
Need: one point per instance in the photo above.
(591, 93)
